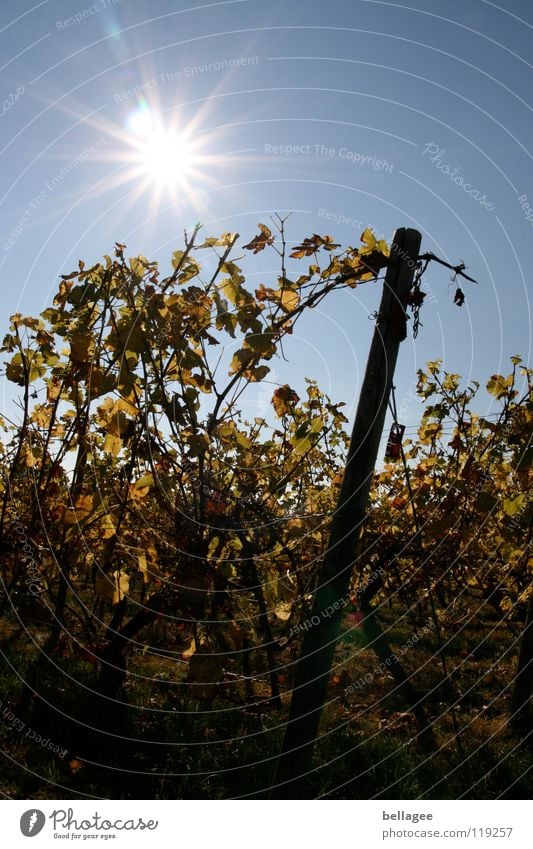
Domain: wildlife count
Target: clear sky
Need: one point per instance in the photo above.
(350, 113)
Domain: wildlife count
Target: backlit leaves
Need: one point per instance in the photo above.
(140, 489)
(222, 241)
(472, 495)
(30, 364)
(259, 243)
(313, 244)
(112, 445)
(514, 504)
(284, 400)
(499, 386)
(195, 486)
(429, 432)
(80, 512)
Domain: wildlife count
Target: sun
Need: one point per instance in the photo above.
(166, 158)
(162, 156)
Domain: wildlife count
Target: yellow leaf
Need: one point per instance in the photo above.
(289, 299)
(198, 444)
(316, 425)
(372, 244)
(226, 430)
(107, 526)
(231, 289)
(138, 265)
(240, 359)
(84, 503)
(143, 567)
(434, 366)
(138, 493)
(499, 385)
(112, 444)
(369, 239)
(242, 440)
(512, 506)
(188, 653)
(259, 243)
(53, 388)
(82, 510)
(141, 487)
(430, 432)
(127, 406)
(257, 374)
(99, 382)
(301, 445)
(283, 610)
(30, 459)
(261, 343)
(222, 241)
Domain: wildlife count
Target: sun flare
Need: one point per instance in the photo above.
(165, 158)
(162, 154)
(164, 161)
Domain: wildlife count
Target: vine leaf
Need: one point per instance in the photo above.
(260, 242)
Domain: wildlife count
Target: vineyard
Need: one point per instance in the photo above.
(160, 552)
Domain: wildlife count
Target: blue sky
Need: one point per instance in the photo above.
(348, 113)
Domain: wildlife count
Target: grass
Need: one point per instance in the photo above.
(173, 745)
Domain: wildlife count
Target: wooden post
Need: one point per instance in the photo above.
(524, 678)
(314, 664)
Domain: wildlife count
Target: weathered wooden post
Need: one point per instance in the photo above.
(314, 664)
(523, 686)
